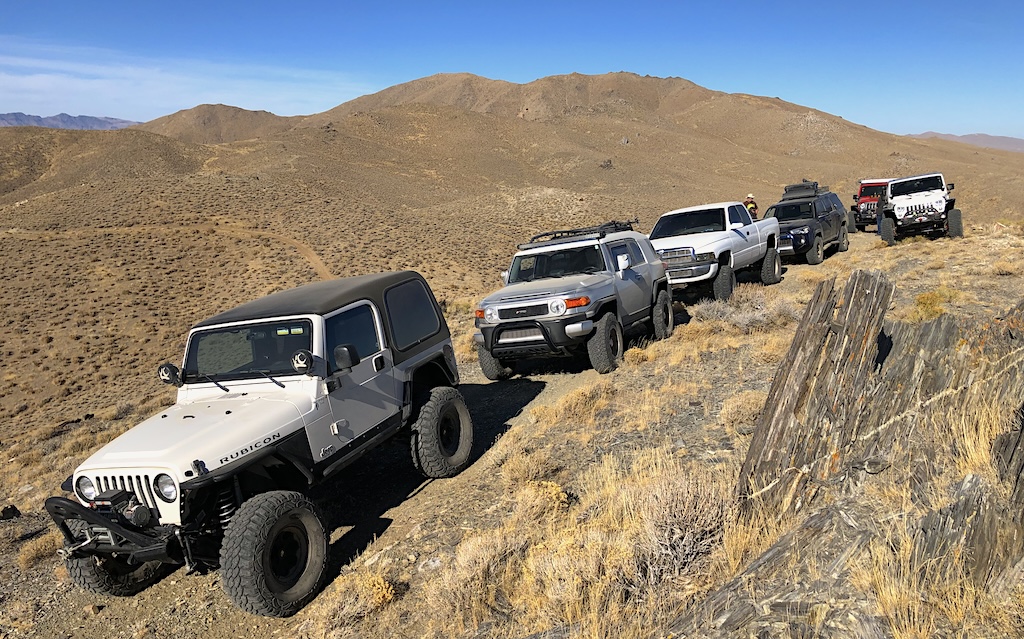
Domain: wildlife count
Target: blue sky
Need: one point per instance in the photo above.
(902, 67)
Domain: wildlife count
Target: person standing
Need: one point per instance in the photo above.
(751, 206)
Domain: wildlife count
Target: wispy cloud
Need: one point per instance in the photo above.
(43, 79)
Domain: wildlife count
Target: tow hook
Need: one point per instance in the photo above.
(67, 553)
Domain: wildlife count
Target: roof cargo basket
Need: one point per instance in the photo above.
(805, 188)
(585, 233)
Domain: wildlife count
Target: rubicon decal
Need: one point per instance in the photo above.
(251, 447)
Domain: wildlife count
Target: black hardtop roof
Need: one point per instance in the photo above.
(317, 298)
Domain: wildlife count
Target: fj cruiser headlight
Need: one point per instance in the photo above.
(490, 314)
(704, 257)
(556, 307)
(85, 488)
(165, 488)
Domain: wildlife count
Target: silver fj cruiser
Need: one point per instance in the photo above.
(273, 396)
(573, 291)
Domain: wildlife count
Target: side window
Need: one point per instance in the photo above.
(616, 250)
(734, 215)
(836, 203)
(411, 313)
(357, 326)
(636, 255)
(744, 215)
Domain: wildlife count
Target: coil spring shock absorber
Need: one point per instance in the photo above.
(226, 505)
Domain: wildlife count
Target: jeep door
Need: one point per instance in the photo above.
(365, 395)
(634, 286)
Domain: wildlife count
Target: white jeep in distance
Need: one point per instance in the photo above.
(704, 246)
(919, 205)
(274, 396)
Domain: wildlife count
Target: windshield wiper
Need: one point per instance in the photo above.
(267, 375)
(210, 379)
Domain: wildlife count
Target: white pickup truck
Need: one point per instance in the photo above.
(706, 245)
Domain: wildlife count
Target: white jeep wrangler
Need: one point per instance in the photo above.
(273, 396)
(920, 204)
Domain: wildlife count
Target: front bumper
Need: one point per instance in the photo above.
(792, 244)
(109, 533)
(868, 216)
(922, 222)
(691, 274)
(534, 338)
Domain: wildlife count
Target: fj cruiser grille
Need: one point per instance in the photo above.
(139, 485)
(523, 311)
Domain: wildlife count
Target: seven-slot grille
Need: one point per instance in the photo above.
(523, 311)
(868, 206)
(920, 209)
(139, 485)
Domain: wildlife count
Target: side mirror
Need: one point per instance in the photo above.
(303, 362)
(169, 374)
(504, 277)
(949, 187)
(856, 198)
(622, 261)
(345, 357)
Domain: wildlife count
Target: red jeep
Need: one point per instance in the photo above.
(863, 211)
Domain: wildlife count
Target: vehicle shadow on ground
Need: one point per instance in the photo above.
(355, 500)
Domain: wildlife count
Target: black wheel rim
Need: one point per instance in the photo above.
(450, 431)
(289, 554)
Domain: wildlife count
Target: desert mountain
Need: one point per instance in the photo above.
(113, 243)
(65, 121)
(1002, 142)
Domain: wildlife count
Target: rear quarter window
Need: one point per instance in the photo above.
(411, 313)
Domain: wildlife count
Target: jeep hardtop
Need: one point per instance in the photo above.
(274, 396)
(570, 292)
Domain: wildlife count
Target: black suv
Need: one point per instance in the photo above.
(811, 218)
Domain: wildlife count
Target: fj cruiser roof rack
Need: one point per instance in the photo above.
(804, 188)
(585, 233)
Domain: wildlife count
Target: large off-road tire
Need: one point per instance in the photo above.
(604, 348)
(493, 368)
(888, 230)
(109, 575)
(274, 555)
(851, 223)
(817, 253)
(771, 267)
(662, 317)
(844, 240)
(955, 222)
(724, 282)
(442, 437)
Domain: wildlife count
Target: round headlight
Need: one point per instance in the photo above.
(85, 488)
(165, 488)
(491, 314)
(556, 307)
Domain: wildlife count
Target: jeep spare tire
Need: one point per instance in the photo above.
(604, 348)
(442, 437)
(274, 555)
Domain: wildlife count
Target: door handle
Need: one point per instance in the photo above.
(378, 363)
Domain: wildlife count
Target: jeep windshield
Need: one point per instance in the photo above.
(556, 263)
(689, 223)
(252, 351)
(872, 191)
(917, 185)
(790, 212)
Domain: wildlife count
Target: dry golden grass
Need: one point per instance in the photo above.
(579, 406)
(740, 412)
(39, 548)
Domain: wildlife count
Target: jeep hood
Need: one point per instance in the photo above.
(921, 196)
(547, 287)
(211, 430)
